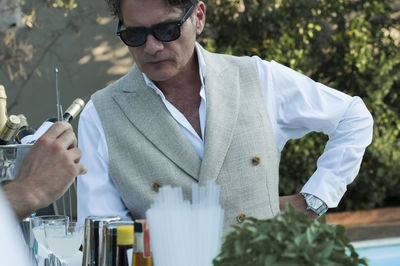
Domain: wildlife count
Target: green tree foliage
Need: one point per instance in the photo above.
(352, 46)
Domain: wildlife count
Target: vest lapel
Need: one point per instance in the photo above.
(144, 108)
(222, 93)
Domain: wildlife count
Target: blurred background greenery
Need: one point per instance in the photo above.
(352, 46)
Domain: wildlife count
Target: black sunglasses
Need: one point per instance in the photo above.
(164, 32)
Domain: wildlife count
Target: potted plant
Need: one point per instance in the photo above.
(287, 239)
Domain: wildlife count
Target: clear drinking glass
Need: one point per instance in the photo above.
(64, 244)
(40, 222)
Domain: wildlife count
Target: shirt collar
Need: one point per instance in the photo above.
(202, 69)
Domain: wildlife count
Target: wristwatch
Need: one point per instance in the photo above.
(315, 204)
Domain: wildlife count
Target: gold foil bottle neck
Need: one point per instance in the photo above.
(10, 128)
(13, 121)
(76, 107)
(3, 94)
(23, 119)
(3, 107)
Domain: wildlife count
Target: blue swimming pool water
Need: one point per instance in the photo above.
(380, 253)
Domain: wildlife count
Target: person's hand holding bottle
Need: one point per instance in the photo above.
(49, 168)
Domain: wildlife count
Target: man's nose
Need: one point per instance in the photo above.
(152, 45)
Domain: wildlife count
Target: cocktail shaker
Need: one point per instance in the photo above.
(94, 237)
(118, 240)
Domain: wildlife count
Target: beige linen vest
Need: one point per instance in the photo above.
(146, 145)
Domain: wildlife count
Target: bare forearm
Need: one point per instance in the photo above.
(22, 201)
(298, 203)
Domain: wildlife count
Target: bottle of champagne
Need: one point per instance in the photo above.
(73, 110)
(24, 130)
(141, 255)
(9, 130)
(125, 238)
(3, 107)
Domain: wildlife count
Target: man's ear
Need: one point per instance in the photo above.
(200, 15)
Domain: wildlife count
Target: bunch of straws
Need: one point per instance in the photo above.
(184, 234)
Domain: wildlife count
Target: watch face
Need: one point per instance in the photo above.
(314, 202)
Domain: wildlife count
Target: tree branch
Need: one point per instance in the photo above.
(33, 69)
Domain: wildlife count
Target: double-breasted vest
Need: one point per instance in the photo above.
(147, 147)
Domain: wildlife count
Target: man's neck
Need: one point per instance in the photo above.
(183, 92)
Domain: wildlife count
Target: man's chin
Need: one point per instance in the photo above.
(159, 76)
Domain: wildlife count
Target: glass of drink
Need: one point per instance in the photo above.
(64, 244)
(38, 225)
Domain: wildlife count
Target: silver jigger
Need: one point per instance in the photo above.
(11, 157)
(93, 238)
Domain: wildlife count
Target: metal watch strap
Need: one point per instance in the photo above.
(321, 209)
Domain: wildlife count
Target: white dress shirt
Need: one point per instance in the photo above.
(13, 250)
(296, 106)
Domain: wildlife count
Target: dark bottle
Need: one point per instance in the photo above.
(125, 238)
(24, 130)
(9, 130)
(73, 110)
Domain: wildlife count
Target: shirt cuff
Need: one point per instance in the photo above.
(327, 186)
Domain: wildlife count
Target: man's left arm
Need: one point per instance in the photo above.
(297, 105)
(340, 162)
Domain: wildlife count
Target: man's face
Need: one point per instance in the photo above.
(160, 61)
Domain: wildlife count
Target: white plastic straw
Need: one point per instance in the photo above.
(185, 234)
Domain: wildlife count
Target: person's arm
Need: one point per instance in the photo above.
(13, 249)
(297, 105)
(97, 194)
(48, 170)
(298, 203)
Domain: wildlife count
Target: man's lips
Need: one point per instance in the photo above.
(155, 62)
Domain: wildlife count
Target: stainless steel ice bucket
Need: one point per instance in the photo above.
(93, 238)
(11, 157)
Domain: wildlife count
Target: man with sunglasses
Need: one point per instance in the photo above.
(185, 115)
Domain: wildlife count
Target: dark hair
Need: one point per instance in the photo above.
(115, 5)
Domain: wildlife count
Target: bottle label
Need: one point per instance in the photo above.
(146, 239)
(129, 255)
(30, 139)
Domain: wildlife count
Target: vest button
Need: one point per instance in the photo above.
(256, 160)
(155, 186)
(240, 218)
